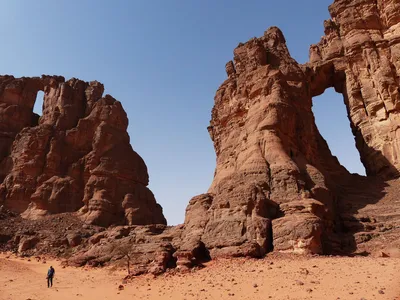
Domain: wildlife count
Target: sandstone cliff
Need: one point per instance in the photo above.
(76, 156)
(276, 183)
(272, 163)
(360, 56)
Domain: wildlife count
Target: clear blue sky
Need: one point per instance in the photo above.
(164, 61)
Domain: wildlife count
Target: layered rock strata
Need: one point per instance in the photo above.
(360, 56)
(273, 166)
(76, 156)
(272, 182)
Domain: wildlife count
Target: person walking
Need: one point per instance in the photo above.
(50, 275)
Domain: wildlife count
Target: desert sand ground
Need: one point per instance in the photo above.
(275, 277)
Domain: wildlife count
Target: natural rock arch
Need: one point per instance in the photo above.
(273, 166)
(332, 119)
(76, 156)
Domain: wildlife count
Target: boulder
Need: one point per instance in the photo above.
(27, 243)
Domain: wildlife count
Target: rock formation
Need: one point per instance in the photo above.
(360, 56)
(76, 156)
(276, 184)
(273, 166)
(272, 163)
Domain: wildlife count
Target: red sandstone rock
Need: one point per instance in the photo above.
(77, 156)
(272, 163)
(27, 243)
(276, 183)
(360, 56)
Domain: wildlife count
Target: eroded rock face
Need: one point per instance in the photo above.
(273, 166)
(360, 56)
(77, 155)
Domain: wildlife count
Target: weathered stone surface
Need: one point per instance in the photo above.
(272, 162)
(74, 239)
(273, 166)
(27, 243)
(360, 56)
(276, 185)
(76, 156)
(147, 249)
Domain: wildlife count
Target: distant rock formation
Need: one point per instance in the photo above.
(273, 166)
(76, 156)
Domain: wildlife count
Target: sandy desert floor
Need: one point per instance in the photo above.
(275, 277)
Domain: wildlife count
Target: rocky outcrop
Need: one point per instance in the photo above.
(147, 249)
(273, 166)
(360, 56)
(139, 249)
(272, 182)
(76, 156)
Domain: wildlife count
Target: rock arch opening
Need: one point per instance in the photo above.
(38, 108)
(333, 123)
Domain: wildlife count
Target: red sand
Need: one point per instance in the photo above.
(275, 277)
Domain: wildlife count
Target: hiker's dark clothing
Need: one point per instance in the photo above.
(49, 281)
(50, 275)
